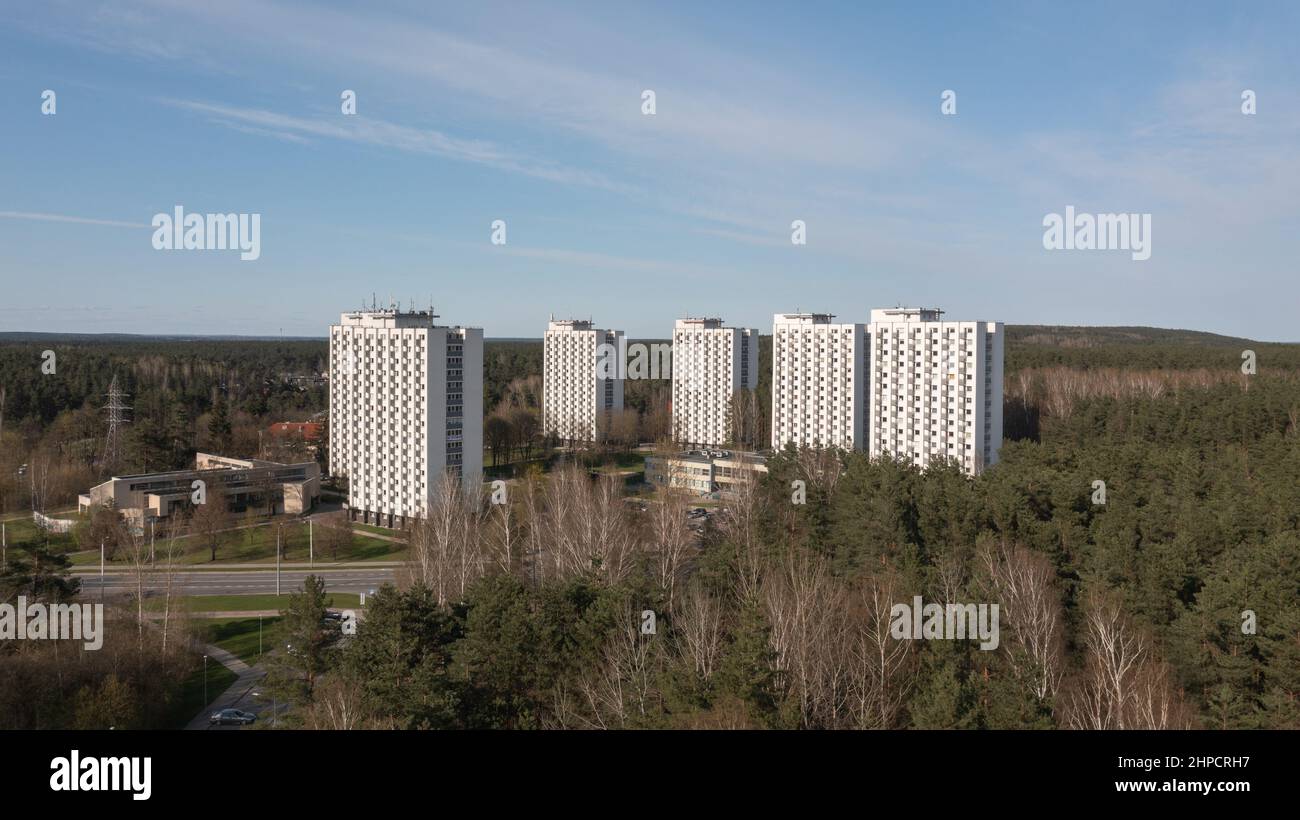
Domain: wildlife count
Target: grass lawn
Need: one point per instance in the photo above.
(250, 603)
(189, 699)
(625, 459)
(239, 636)
(256, 545)
(357, 525)
(23, 530)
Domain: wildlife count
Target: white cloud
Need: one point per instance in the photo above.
(365, 130)
(80, 220)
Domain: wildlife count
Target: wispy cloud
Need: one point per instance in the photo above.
(79, 220)
(368, 131)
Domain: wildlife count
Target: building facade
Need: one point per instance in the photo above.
(710, 364)
(291, 489)
(406, 410)
(706, 472)
(935, 388)
(818, 381)
(582, 379)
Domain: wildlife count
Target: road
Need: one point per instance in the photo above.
(243, 582)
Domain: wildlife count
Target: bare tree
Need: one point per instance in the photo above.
(698, 631)
(503, 539)
(820, 467)
(335, 534)
(133, 546)
(624, 427)
(526, 426)
(805, 606)
(670, 537)
(535, 525)
(445, 553)
(209, 520)
(172, 550)
(471, 563)
(39, 475)
(1123, 685)
(620, 690)
(880, 662)
(741, 527)
(745, 420)
(337, 704)
(497, 435)
(1022, 582)
(584, 526)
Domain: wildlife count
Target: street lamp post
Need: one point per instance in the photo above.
(205, 678)
(277, 559)
(275, 706)
(101, 569)
(259, 636)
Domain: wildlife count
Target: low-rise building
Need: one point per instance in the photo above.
(706, 472)
(294, 488)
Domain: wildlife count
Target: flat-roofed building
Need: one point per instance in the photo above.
(582, 379)
(935, 388)
(706, 472)
(406, 410)
(818, 381)
(711, 364)
(240, 482)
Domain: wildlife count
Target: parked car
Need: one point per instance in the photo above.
(234, 716)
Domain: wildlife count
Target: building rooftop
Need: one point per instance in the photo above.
(907, 314)
(687, 322)
(569, 324)
(804, 318)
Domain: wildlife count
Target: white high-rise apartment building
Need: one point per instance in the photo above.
(578, 397)
(936, 388)
(406, 409)
(710, 363)
(818, 382)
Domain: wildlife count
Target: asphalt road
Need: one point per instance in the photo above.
(245, 582)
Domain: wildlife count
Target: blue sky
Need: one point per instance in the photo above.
(531, 113)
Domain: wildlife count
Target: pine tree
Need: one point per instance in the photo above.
(219, 427)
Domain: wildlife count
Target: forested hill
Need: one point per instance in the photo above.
(1138, 348)
(110, 338)
(1089, 336)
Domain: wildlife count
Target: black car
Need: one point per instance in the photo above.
(231, 716)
